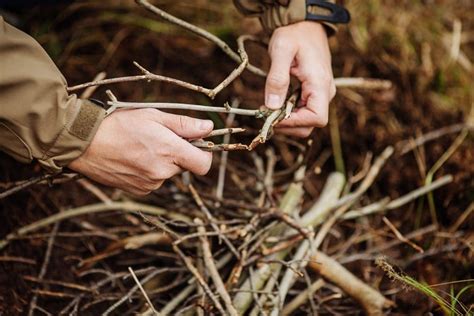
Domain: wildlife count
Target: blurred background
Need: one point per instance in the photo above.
(426, 48)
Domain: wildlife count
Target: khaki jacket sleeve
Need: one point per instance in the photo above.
(38, 118)
(276, 13)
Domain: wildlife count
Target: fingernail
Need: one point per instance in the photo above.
(273, 101)
(206, 125)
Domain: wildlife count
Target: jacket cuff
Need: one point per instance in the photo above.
(84, 118)
(280, 15)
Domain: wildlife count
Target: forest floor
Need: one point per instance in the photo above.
(417, 45)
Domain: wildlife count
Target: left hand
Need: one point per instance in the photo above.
(301, 50)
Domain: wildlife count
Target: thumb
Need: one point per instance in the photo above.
(278, 78)
(185, 126)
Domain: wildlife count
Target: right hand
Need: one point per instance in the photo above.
(136, 150)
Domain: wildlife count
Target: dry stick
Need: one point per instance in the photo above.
(225, 155)
(25, 184)
(462, 218)
(44, 267)
(366, 183)
(196, 30)
(126, 207)
(243, 299)
(400, 237)
(371, 300)
(212, 269)
(17, 259)
(367, 254)
(199, 278)
(331, 191)
(268, 289)
(374, 170)
(302, 297)
(407, 145)
(289, 276)
(87, 93)
(58, 283)
(316, 215)
(386, 204)
(149, 76)
(44, 178)
(181, 106)
(178, 299)
(130, 292)
(95, 288)
(438, 164)
(226, 131)
(145, 77)
(362, 83)
(212, 220)
(150, 304)
(268, 179)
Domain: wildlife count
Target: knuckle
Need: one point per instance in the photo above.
(306, 132)
(154, 174)
(141, 192)
(323, 121)
(278, 81)
(182, 122)
(278, 42)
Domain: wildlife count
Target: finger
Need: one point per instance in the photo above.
(191, 158)
(301, 132)
(161, 172)
(314, 114)
(276, 87)
(135, 191)
(185, 126)
(156, 185)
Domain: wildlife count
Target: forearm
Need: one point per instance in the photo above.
(38, 119)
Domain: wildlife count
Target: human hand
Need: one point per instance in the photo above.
(302, 50)
(136, 150)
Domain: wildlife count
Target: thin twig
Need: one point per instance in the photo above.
(212, 221)
(130, 292)
(213, 272)
(368, 180)
(44, 266)
(400, 236)
(127, 207)
(386, 204)
(199, 31)
(150, 304)
(225, 154)
(302, 297)
(199, 279)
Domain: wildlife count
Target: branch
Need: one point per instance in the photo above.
(199, 278)
(115, 105)
(127, 207)
(150, 304)
(362, 83)
(370, 299)
(212, 269)
(396, 203)
(301, 298)
(199, 31)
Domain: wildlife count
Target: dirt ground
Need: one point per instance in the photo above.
(401, 42)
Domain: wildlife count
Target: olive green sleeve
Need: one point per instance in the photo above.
(38, 118)
(276, 13)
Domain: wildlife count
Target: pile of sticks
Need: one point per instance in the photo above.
(206, 253)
